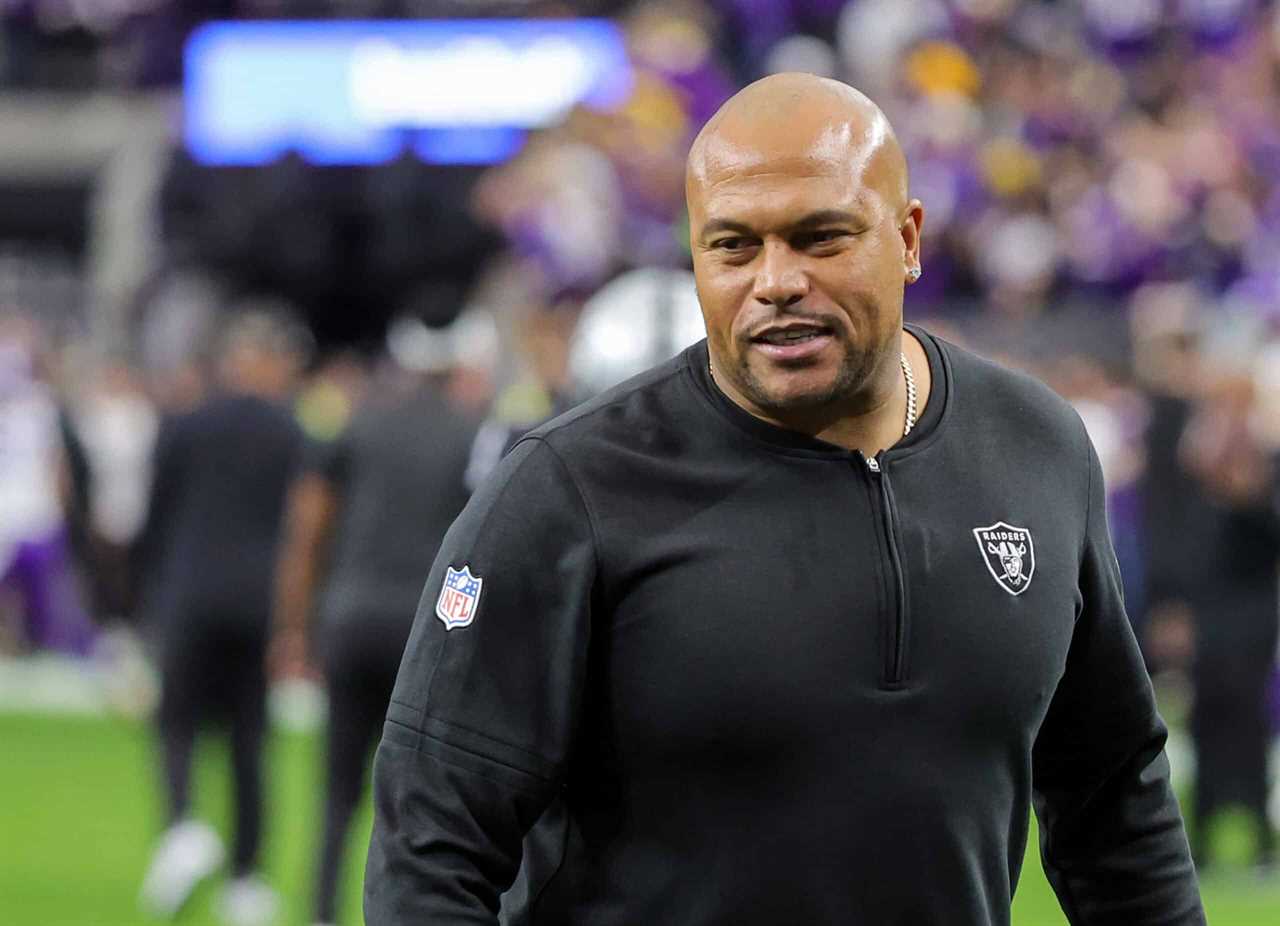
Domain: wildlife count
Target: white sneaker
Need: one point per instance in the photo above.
(249, 901)
(188, 853)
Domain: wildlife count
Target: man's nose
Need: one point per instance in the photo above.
(780, 280)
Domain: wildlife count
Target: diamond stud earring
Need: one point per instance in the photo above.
(913, 274)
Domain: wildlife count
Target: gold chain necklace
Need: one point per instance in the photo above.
(911, 394)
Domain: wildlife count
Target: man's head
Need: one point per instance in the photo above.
(803, 237)
(261, 351)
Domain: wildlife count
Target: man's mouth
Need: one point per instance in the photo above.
(793, 342)
(790, 334)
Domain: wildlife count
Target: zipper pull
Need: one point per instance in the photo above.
(872, 464)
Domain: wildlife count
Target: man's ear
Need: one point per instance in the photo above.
(910, 228)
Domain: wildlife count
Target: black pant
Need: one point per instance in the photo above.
(1231, 726)
(214, 670)
(362, 657)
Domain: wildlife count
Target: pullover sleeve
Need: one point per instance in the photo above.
(482, 716)
(1111, 835)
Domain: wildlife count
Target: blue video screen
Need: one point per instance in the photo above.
(362, 92)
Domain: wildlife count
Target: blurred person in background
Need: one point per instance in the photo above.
(1211, 503)
(1166, 320)
(209, 546)
(1235, 602)
(364, 523)
(36, 565)
(115, 425)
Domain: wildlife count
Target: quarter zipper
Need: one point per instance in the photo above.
(896, 607)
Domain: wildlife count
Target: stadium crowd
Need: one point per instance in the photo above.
(1102, 186)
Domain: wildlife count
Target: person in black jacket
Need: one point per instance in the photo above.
(364, 522)
(1229, 573)
(208, 550)
(795, 628)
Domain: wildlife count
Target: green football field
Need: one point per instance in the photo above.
(79, 808)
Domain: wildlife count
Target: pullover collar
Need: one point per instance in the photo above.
(797, 443)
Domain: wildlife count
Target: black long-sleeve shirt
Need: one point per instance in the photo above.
(221, 474)
(759, 679)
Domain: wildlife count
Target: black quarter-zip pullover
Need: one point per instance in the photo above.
(751, 677)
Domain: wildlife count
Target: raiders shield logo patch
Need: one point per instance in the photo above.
(1009, 554)
(459, 597)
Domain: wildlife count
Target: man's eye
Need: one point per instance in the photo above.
(825, 236)
(733, 244)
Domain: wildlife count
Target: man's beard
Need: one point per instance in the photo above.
(854, 374)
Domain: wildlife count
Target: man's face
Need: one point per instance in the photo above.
(799, 260)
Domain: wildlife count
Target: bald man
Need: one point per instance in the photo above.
(794, 628)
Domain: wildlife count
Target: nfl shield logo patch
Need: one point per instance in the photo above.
(1009, 554)
(459, 598)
